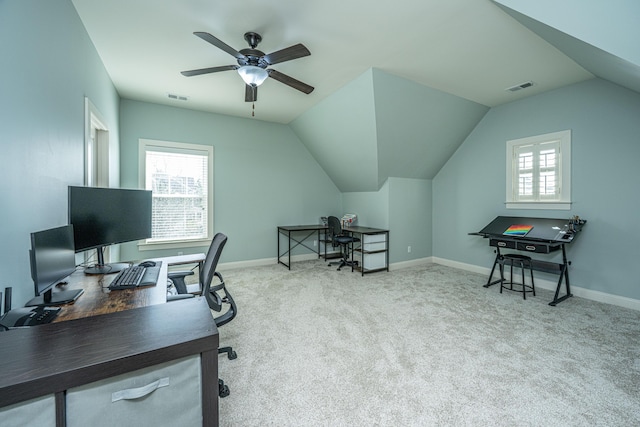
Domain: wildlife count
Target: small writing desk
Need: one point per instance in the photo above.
(378, 246)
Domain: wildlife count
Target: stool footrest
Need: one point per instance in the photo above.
(523, 262)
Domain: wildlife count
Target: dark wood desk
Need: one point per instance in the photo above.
(98, 299)
(106, 334)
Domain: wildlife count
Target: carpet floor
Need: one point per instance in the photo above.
(421, 346)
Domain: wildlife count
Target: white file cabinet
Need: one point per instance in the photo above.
(166, 394)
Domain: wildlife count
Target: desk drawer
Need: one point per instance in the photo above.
(508, 244)
(540, 248)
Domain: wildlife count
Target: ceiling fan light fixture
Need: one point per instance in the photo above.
(253, 75)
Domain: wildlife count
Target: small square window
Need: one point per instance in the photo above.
(539, 172)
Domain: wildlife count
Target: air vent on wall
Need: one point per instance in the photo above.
(519, 87)
(178, 97)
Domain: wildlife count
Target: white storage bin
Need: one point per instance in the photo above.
(374, 246)
(374, 261)
(374, 242)
(166, 394)
(36, 412)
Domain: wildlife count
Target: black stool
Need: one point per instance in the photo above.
(523, 262)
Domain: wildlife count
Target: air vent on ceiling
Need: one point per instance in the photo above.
(178, 97)
(519, 87)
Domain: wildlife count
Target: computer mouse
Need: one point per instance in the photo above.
(147, 264)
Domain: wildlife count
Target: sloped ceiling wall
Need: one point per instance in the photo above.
(382, 126)
(418, 127)
(585, 32)
(340, 133)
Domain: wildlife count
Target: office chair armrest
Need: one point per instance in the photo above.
(176, 274)
(179, 297)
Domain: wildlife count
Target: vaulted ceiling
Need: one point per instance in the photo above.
(468, 48)
(398, 85)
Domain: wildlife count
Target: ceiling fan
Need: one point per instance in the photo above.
(252, 64)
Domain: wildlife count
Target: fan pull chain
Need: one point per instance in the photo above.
(253, 109)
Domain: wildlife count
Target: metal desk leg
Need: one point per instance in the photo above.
(493, 269)
(564, 274)
(289, 252)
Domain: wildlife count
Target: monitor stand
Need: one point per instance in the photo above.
(101, 268)
(55, 298)
(106, 268)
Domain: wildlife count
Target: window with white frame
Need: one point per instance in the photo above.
(180, 177)
(539, 172)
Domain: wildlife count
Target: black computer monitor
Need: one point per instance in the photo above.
(53, 258)
(107, 216)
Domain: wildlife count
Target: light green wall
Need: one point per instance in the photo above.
(340, 134)
(380, 126)
(418, 128)
(48, 66)
(410, 218)
(608, 25)
(264, 176)
(403, 206)
(372, 207)
(603, 118)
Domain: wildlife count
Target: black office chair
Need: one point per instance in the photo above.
(342, 239)
(211, 294)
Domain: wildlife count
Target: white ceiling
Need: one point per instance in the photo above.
(468, 48)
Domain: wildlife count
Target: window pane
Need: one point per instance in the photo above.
(525, 161)
(525, 186)
(547, 183)
(548, 158)
(179, 184)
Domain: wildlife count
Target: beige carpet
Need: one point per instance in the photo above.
(422, 346)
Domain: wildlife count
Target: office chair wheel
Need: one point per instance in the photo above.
(223, 389)
(231, 354)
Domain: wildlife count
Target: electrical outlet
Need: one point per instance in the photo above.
(315, 243)
(180, 253)
(409, 249)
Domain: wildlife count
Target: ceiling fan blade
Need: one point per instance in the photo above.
(287, 54)
(208, 70)
(219, 44)
(290, 81)
(250, 93)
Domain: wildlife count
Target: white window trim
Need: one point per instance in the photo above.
(146, 144)
(565, 172)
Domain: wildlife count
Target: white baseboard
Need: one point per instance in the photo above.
(410, 263)
(264, 261)
(603, 297)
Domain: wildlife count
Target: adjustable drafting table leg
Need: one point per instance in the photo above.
(564, 274)
(499, 264)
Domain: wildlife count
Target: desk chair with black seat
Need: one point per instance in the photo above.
(344, 240)
(210, 293)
